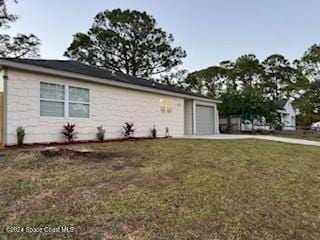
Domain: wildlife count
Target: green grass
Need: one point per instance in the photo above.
(165, 189)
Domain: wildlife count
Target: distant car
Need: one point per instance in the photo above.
(315, 125)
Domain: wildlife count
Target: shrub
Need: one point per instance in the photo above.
(307, 119)
(128, 129)
(100, 134)
(20, 135)
(153, 132)
(69, 132)
(279, 127)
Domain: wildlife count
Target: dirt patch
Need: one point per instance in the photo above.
(115, 160)
(99, 157)
(64, 151)
(27, 155)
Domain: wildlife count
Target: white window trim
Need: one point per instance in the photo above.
(162, 107)
(76, 102)
(51, 100)
(166, 108)
(66, 105)
(65, 101)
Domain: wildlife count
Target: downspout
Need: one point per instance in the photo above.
(5, 104)
(194, 119)
(217, 120)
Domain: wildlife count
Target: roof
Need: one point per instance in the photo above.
(280, 103)
(71, 66)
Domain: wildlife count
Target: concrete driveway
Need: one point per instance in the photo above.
(259, 137)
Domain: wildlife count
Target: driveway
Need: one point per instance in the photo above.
(259, 137)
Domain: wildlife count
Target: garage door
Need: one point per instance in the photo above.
(204, 120)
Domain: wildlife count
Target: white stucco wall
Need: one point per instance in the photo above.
(109, 106)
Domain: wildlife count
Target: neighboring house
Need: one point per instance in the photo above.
(43, 95)
(287, 114)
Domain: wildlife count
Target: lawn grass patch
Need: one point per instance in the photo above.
(165, 189)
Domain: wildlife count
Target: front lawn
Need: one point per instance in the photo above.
(165, 189)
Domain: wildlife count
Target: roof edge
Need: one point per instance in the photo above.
(105, 81)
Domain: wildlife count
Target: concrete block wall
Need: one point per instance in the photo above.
(109, 106)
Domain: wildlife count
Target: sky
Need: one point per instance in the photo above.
(209, 30)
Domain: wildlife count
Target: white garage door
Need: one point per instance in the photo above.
(204, 120)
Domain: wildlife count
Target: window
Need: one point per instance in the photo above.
(64, 101)
(79, 99)
(52, 97)
(166, 105)
(162, 105)
(169, 105)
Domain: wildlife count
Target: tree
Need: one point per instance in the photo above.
(256, 105)
(175, 79)
(309, 102)
(300, 82)
(277, 77)
(20, 45)
(249, 103)
(194, 83)
(310, 62)
(307, 83)
(247, 70)
(126, 41)
(230, 77)
(208, 81)
(231, 103)
(5, 17)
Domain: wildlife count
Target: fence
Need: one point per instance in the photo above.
(235, 124)
(238, 125)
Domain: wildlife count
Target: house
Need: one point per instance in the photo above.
(43, 95)
(287, 114)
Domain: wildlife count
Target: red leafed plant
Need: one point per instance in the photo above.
(69, 132)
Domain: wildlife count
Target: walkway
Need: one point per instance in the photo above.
(259, 137)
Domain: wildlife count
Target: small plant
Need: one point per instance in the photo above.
(69, 132)
(20, 135)
(167, 132)
(128, 130)
(100, 134)
(153, 132)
